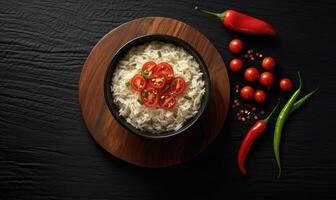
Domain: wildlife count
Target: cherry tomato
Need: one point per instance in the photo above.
(260, 96)
(251, 74)
(236, 46)
(247, 93)
(157, 80)
(266, 79)
(268, 63)
(177, 86)
(148, 67)
(286, 84)
(236, 64)
(138, 83)
(165, 69)
(167, 101)
(149, 97)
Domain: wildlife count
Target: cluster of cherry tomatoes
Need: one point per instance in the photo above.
(253, 75)
(157, 85)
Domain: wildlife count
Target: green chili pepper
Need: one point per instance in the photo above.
(282, 117)
(128, 84)
(145, 75)
(166, 87)
(132, 66)
(187, 97)
(146, 93)
(159, 54)
(299, 103)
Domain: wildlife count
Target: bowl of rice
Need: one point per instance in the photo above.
(157, 86)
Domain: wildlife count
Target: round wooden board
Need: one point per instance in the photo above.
(130, 147)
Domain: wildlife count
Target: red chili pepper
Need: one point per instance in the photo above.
(257, 129)
(241, 22)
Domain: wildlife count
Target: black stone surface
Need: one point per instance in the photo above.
(47, 153)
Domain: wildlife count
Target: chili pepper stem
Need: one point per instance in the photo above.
(279, 173)
(269, 116)
(300, 82)
(298, 104)
(218, 15)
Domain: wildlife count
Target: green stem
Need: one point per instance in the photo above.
(299, 103)
(218, 15)
(299, 80)
(269, 116)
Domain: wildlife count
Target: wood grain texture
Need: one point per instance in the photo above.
(133, 148)
(47, 153)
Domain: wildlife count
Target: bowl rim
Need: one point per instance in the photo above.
(142, 40)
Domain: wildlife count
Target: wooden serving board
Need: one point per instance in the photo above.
(133, 148)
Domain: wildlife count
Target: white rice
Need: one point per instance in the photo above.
(157, 120)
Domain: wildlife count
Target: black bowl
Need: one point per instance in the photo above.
(121, 53)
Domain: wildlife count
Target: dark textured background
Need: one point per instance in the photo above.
(46, 151)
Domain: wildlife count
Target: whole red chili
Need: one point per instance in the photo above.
(243, 23)
(257, 129)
